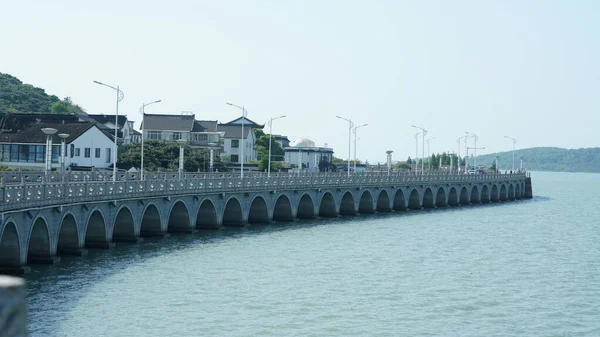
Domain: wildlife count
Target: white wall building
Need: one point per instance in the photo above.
(302, 154)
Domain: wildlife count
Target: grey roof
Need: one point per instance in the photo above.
(250, 123)
(105, 118)
(205, 126)
(34, 134)
(233, 131)
(168, 122)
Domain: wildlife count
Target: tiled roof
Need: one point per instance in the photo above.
(105, 118)
(34, 134)
(168, 122)
(234, 131)
(205, 126)
(249, 123)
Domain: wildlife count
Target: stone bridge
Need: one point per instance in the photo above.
(45, 217)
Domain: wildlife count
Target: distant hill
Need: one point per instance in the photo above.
(18, 97)
(548, 159)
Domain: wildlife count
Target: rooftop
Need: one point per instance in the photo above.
(168, 122)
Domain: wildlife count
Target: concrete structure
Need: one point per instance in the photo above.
(13, 311)
(304, 156)
(40, 221)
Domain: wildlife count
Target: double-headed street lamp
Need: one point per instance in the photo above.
(350, 125)
(417, 151)
(120, 97)
(142, 110)
(514, 141)
(356, 128)
(423, 155)
(271, 140)
(428, 153)
(244, 114)
(475, 147)
(458, 141)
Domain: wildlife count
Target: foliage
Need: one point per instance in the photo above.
(165, 156)
(262, 147)
(65, 106)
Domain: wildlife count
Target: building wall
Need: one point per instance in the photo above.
(92, 139)
(309, 156)
(249, 151)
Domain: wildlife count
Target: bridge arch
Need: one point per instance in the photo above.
(365, 205)
(95, 230)
(383, 201)
(258, 212)
(511, 192)
(474, 195)
(179, 217)
(207, 215)
(124, 225)
(440, 198)
(306, 207)
(10, 245)
(232, 213)
(428, 201)
(453, 197)
(518, 191)
(485, 194)
(38, 246)
(464, 196)
(68, 235)
(503, 193)
(494, 196)
(413, 200)
(347, 205)
(151, 223)
(399, 201)
(282, 211)
(327, 205)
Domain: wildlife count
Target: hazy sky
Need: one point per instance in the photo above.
(527, 69)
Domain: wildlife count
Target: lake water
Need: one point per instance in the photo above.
(525, 268)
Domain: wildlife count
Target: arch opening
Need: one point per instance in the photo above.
(179, 218)
(124, 228)
(511, 192)
(95, 233)
(10, 247)
(518, 191)
(413, 200)
(474, 195)
(306, 208)
(464, 196)
(68, 236)
(428, 198)
(283, 209)
(485, 194)
(494, 195)
(151, 223)
(207, 216)
(399, 201)
(232, 214)
(503, 193)
(440, 198)
(453, 197)
(383, 202)
(365, 204)
(258, 212)
(347, 205)
(38, 250)
(327, 205)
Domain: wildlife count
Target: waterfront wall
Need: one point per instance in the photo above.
(13, 311)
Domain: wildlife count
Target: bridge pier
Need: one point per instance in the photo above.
(49, 260)
(73, 252)
(100, 245)
(128, 240)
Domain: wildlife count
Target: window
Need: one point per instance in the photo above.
(154, 135)
(234, 158)
(77, 152)
(87, 152)
(97, 153)
(235, 143)
(108, 154)
(177, 136)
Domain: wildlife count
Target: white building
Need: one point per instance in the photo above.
(125, 130)
(232, 139)
(302, 154)
(86, 146)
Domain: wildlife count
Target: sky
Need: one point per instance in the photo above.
(524, 69)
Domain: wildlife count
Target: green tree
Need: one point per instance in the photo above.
(165, 156)
(262, 147)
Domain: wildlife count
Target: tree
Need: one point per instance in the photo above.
(409, 161)
(277, 152)
(59, 108)
(164, 156)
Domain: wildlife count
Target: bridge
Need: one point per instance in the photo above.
(45, 216)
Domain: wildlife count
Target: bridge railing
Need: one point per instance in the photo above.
(35, 194)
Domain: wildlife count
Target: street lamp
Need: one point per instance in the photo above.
(356, 128)
(475, 155)
(428, 153)
(48, 132)
(497, 163)
(244, 114)
(389, 161)
(63, 137)
(417, 152)
(120, 97)
(210, 167)
(514, 141)
(350, 124)
(271, 140)
(475, 148)
(142, 110)
(423, 158)
(458, 157)
(181, 144)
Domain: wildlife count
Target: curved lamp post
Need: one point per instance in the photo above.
(120, 97)
(423, 156)
(356, 128)
(244, 114)
(271, 140)
(350, 124)
(428, 153)
(142, 110)
(514, 141)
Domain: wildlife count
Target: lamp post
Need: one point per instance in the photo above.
(181, 144)
(63, 137)
(423, 158)
(417, 152)
(514, 141)
(350, 125)
(244, 114)
(521, 164)
(210, 167)
(48, 132)
(389, 161)
(143, 111)
(458, 157)
(270, 141)
(475, 155)
(356, 128)
(120, 97)
(474, 148)
(497, 163)
(428, 153)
